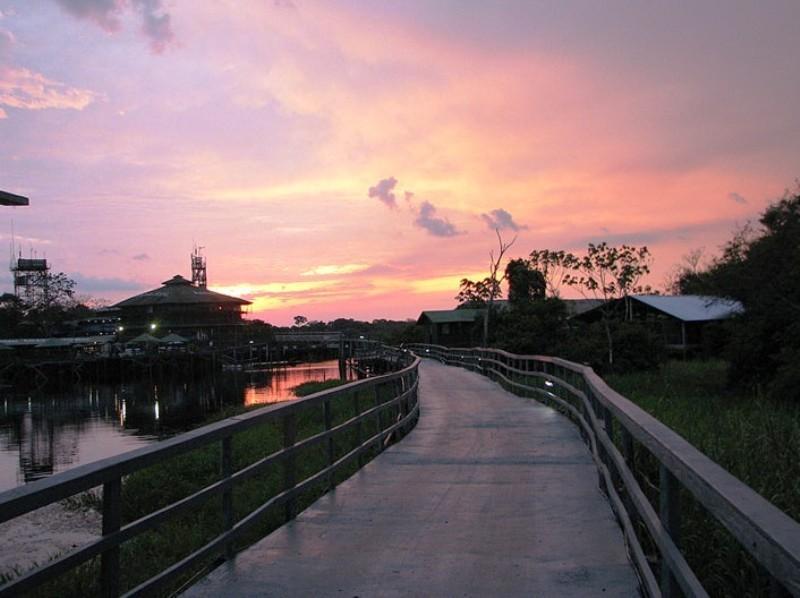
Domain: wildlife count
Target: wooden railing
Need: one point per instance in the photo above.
(386, 404)
(616, 430)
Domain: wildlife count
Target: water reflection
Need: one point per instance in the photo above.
(53, 432)
(271, 387)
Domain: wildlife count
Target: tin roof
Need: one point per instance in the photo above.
(179, 291)
(449, 316)
(692, 308)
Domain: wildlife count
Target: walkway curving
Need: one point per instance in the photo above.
(490, 495)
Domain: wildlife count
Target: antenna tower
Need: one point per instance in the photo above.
(199, 275)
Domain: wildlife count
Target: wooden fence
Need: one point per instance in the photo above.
(391, 407)
(616, 430)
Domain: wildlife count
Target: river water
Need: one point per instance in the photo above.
(50, 432)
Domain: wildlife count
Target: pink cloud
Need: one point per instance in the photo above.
(24, 89)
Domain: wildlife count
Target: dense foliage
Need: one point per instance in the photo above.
(761, 269)
(48, 314)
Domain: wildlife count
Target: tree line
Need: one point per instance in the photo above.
(759, 267)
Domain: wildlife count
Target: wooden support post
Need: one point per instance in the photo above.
(359, 434)
(627, 448)
(404, 404)
(378, 423)
(112, 520)
(342, 360)
(289, 438)
(608, 421)
(226, 469)
(670, 515)
(328, 416)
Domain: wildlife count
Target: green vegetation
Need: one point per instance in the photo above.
(309, 388)
(755, 438)
(761, 269)
(160, 485)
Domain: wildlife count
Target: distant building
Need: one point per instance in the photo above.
(682, 320)
(178, 306)
(453, 327)
(576, 307)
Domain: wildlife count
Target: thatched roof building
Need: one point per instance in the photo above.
(179, 306)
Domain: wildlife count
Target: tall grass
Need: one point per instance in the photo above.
(754, 438)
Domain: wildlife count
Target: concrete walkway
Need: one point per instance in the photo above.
(490, 495)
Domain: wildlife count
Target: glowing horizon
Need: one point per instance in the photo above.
(349, 160)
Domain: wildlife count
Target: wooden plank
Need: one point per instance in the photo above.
(767, 533)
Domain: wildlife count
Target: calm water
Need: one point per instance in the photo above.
(48, 433)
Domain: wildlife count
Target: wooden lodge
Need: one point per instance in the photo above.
(453, 327)
(178, 306)
(682, 320)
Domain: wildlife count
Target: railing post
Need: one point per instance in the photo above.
(359, 436)
(112, 520)
(404, 403)
(627, 448)
(226, 467)
(328, 416)
(378, 423)
(289, 438)
(670, 515)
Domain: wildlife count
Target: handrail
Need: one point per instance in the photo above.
(402, 388)
(768, 534)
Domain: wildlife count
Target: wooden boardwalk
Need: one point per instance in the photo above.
(490, 495)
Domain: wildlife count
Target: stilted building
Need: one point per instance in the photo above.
(179, 306)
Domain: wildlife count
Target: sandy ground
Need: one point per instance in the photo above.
(37, 537)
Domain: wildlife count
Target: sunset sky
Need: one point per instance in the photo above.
(351, 159)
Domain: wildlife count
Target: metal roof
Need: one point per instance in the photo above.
(692, 308)
(450, 316)
(10, 199)
(179, 291)
(57, 341)
(575, 307)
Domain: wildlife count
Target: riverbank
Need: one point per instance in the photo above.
(43, 534)
(39, 536)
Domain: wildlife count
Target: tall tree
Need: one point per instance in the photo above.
(495, 261)
(524, 283)
(606, 272)
(554, 266)
(760, 267)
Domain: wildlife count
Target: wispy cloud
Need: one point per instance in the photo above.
(500, 219)
(141, 257)
(27, 90)
(435, 225)
(155, 22)
(334, 269)
(384, 191)
(740, 199)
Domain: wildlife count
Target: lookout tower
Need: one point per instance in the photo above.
(31, 276)
(199, 276)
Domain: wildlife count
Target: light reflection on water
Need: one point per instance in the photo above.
(53, 432)
(271, 387)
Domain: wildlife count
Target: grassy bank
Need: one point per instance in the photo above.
(756, 439)
(155, 487)
(309, 388)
